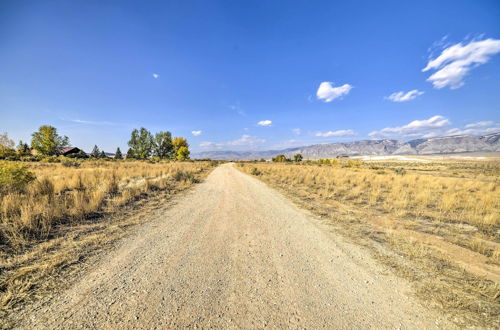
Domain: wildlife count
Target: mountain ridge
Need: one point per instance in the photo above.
(430, 146)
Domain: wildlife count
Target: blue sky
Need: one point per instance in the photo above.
(240, 75)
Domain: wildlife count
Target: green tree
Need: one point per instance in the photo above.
(179, 142)
(163, 147)
(96, 153)
(102, 154)
(23, 148)
(280, 159)
(47, 142)
(141, 142)
(297, 157)
(130, 154)
(182, 153)
(118, 154)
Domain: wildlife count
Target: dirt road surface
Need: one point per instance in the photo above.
(233, 253)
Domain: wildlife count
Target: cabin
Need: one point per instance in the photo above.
(69, 151)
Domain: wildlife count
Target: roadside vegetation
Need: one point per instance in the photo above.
(56, 211)
(434, 222)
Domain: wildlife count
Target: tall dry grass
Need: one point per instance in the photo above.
(66, 193)
(397, 191)
(51, 225)
(434, 223)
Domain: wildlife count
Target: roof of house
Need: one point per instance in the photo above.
(68, 149)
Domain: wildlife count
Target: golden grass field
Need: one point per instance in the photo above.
(441, 216)
(73, 208)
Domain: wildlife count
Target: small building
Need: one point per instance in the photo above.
(69, 151)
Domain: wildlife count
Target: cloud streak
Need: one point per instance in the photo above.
(455, 62)
(404, 97)
(244, 141)
(342, 132)
(196, 133)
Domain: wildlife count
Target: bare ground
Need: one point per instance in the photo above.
(234, 253)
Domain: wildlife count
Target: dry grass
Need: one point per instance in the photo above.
(442, 217)
(71, 211)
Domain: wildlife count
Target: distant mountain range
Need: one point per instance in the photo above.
(433, 146)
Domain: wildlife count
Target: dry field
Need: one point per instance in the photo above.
(63, 212)
(435, 222)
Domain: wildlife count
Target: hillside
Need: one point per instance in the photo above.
(431, 146)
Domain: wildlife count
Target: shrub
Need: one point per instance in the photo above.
(255, 171)
(184, 176)
(14, 177)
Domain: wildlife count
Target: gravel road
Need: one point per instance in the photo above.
(233, 253)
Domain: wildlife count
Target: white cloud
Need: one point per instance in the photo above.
(265, 123)
(297, 131)
(196, 133)
(403, 97)
(244, 141)
(156, 75)
(479, 124)
(479, 128)
(416, 128)
(342, 132)
(456, 61)
(328, 93)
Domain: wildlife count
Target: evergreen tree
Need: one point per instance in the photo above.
(96, 153)
(130, 154)
(102, 154)
(118, 154)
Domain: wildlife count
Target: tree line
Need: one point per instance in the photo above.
(142, 145)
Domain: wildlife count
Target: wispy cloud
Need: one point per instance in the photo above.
(479, 124)
(342, 132)
(156, 75)
(265, 123)
(404, 97)
(416, 128)
(455, 62)
(245, 140)
(91, 122)
(296, 131)
(236, 107)
(327, 92)
(478, 128)
(196, 133)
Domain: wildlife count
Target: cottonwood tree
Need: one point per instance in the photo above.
(179, 142)
(6, 142)
(47, 142)
(141, 143)
(163, 146)
(6, 146)
(280, 159)
(182, 153)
